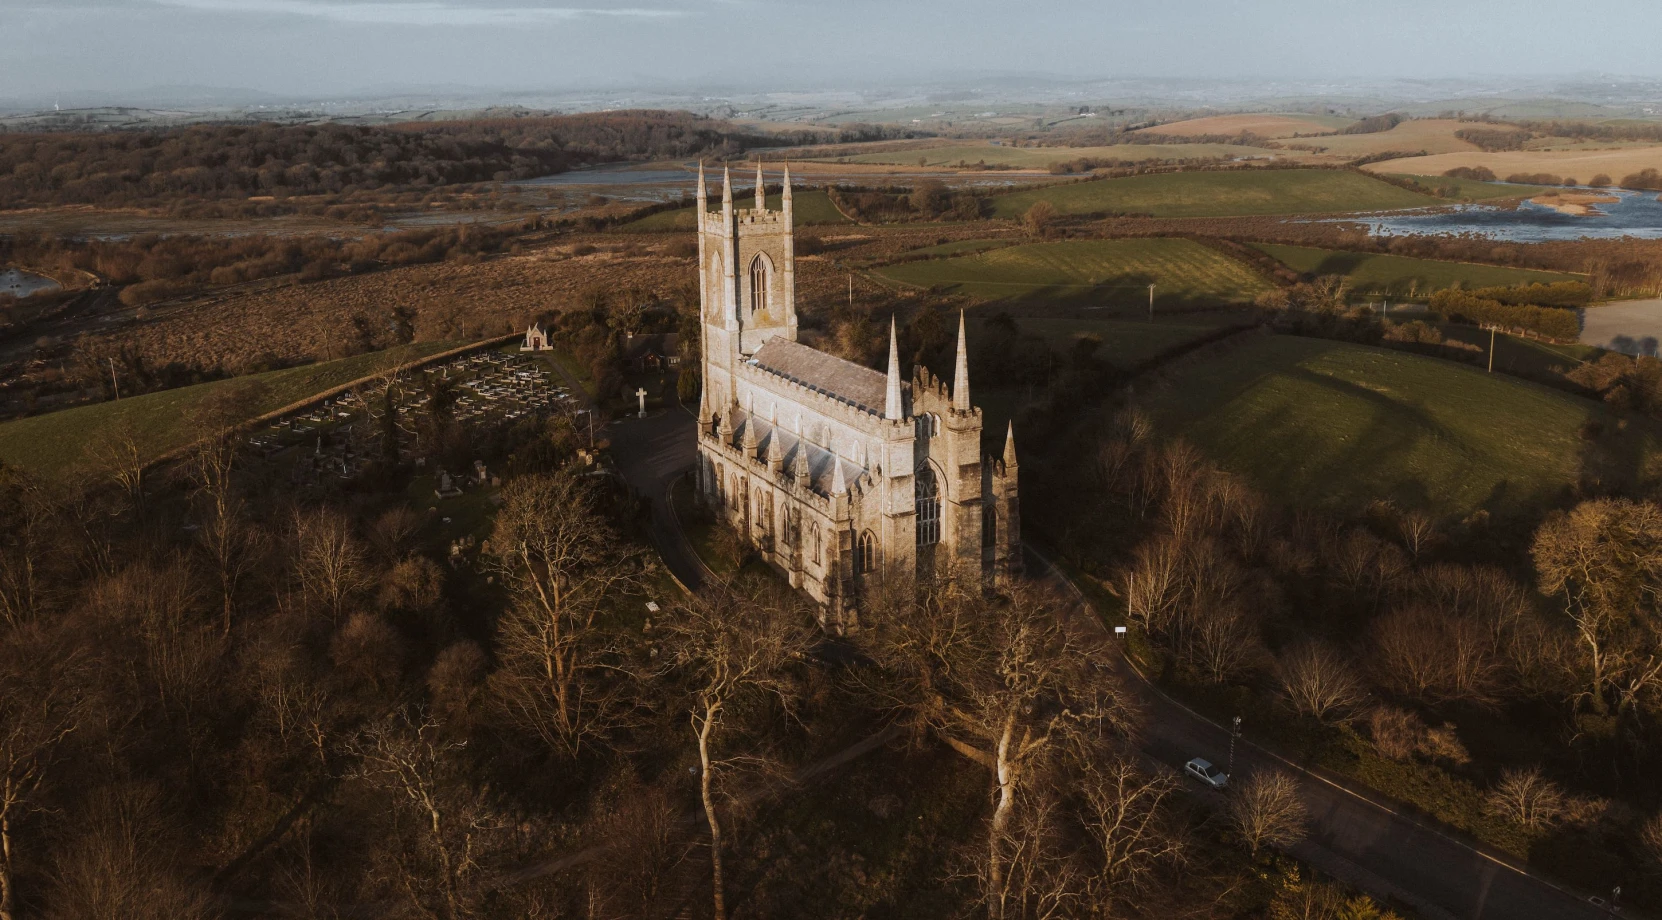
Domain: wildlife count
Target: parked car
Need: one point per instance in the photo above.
(1204, 771)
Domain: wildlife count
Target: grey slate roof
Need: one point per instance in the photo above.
(828, 374)
(820, 460)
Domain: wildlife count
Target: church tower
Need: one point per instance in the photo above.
(746, 278)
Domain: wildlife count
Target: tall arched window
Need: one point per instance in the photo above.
(815, 526)
(865, 554)
(989, 525)
(760, 271)
(928, 492)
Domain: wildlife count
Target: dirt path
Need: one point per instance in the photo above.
(1628, 326)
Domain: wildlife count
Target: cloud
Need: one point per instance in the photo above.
(422, 12)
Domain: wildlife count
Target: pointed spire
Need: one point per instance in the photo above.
(1010, 447)
(839, 485)
(799, 466)
(704, 409)
(785, 192)
(776, 457)
(727, 193)
(703, 193)
(960, 378)
(761, 188)
(892, 409)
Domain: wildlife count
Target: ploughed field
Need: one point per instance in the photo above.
(1376, 273)
(1236, 193)
(1329, 424)
(1186, 274)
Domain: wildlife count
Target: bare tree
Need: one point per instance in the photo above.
(329, 561)
(643, 847)
(1221, 640)
(564, 567)
(1526, 797)
(1603, 559)
(731, 650)
(1004, 683)
(1265, 810)
(1318, 681)
(448, 826)
(119, 456)
(225, 535)
(40, 709)
(1130, 836)
(1435, 655)
(1418, 532)
(26, 546)
(1039, 219)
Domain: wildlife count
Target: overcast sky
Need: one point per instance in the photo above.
(336, 46)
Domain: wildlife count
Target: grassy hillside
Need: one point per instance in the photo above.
(808, 207)
(1220, 194)
(1330, 424)
(1185, 273)
(58, 442)
(1125, 343)
(1374, 273)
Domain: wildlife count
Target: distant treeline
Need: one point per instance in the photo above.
(1375, 124)
(206, 162)
(152, 267)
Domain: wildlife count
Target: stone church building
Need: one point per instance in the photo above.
(841, 476)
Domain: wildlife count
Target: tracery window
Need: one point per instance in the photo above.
(759, 282)
(928, 493)
(865, 554)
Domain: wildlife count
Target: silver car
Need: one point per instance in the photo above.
(1204, 771)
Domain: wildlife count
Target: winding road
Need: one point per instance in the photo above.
(1355, 835)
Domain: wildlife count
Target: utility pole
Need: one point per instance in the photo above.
(851, 290)
(1234, 732)
(1151, 303)
(114, 384)
(1491, 349)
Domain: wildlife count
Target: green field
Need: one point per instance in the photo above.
(1109, 272)
(1334, 425)
(960, 247)
(1374, 273)
(808, 207)
(1239, 193)
(1125, 343)
(57, 443)
(1043, 157)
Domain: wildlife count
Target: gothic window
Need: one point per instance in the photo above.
(759, 272)
(928, 492)
(989, 525)
(815, 528)
(865, 554)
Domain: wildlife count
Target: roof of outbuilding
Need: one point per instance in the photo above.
(825, 373)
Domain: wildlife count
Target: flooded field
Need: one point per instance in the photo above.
(19, 283)
(1637, 214)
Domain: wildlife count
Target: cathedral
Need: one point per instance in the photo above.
(840, 475)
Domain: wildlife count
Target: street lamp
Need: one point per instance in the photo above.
(1234, 732)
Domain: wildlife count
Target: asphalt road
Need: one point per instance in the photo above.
(1351, 837)
(651, 454)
